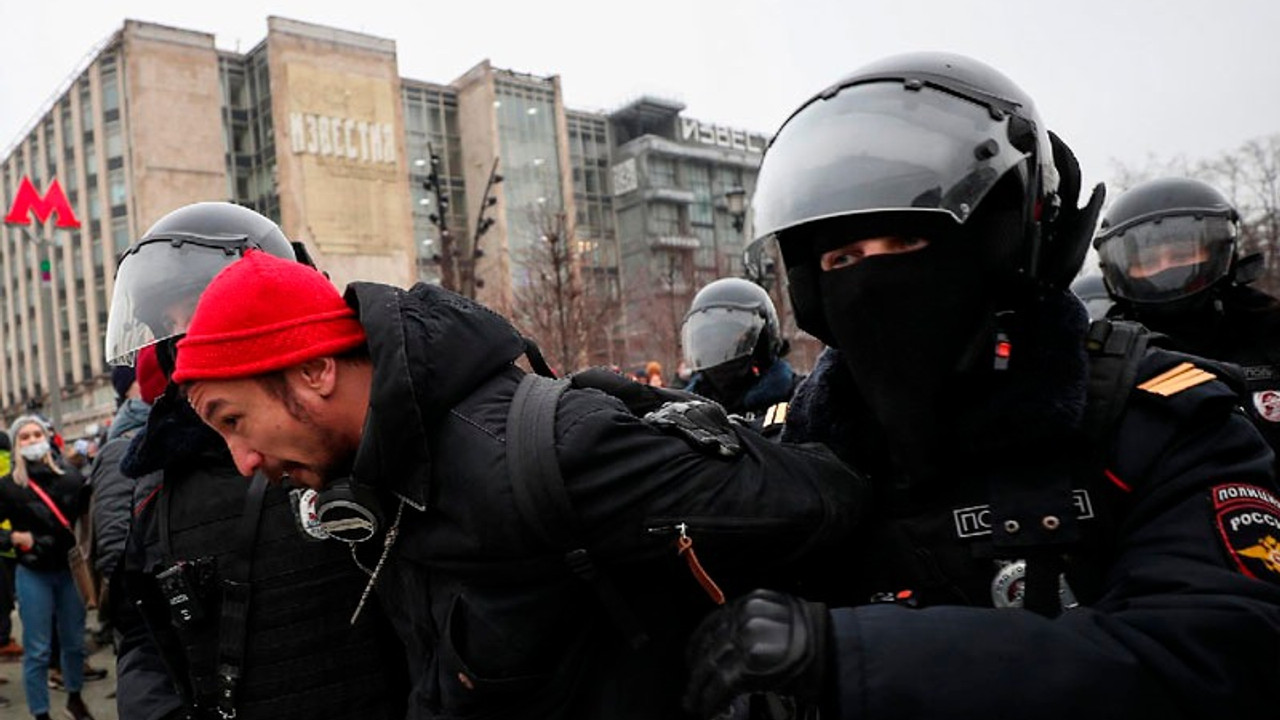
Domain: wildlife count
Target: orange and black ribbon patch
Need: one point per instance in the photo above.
(1248, 520)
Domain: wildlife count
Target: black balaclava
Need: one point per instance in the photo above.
(729, 381)
(908, 327)
(917, 330)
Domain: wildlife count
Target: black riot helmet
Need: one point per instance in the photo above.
(731, 319)
(919, 144)
(160, 277)
(1092, 291)
(1167, 241)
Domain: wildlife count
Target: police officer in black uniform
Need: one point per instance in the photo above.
(732, 342)
(1066, 524)
(1170, 255)
(229, 611)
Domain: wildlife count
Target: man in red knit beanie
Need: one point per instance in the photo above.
(542, 569)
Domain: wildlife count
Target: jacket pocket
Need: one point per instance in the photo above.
(482, 675)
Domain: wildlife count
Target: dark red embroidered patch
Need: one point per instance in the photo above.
(1248, 520)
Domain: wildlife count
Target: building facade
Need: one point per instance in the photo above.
(315, 128)
(671, 178)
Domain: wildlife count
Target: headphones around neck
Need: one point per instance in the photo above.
(345, 511)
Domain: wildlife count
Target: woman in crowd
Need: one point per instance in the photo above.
(42, 495)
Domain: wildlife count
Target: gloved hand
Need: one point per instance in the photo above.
(638, 397)
(1071, 230)
(701, 422)
(764, 641)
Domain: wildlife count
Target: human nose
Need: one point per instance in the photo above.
(247, 461)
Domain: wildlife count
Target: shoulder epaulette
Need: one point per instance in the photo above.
(775, 415)
(1179, 378)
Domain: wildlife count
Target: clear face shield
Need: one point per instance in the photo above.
(1168, 258)
(157, 286)
(716, 335)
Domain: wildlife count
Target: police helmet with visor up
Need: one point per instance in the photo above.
(160, 277)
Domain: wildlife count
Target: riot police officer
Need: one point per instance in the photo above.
(1170, 255)
(732, 342)
(1067, 524)
(240, 615)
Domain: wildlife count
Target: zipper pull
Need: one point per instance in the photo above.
(684, 548)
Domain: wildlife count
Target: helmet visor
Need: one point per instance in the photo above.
(719, 334)
(156, 289)
(1168, 259)
(880, 146)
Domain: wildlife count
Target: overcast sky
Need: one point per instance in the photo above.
(1120, 80)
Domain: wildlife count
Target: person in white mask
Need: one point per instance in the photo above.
(42, 496)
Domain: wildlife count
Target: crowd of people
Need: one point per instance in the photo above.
(981, 500)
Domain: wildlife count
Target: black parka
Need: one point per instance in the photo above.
(495, 624)
(29, 513)
(1178, 597)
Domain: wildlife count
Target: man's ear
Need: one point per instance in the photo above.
(319, 375)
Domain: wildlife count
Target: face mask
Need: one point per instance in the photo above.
(35, 451)
(731, 380)
(907, 325)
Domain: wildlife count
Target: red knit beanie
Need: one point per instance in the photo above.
(151, 379)
(261, 314)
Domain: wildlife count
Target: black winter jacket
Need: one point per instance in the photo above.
(29, 513)
(1176, 569)
(1242, 327)
(495, 624)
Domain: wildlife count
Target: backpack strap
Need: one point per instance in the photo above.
(541, 497)
(236, 591)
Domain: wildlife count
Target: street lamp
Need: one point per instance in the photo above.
(736, 197)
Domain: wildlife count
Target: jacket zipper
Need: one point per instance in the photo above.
(684, 548)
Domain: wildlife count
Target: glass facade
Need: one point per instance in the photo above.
(431, 126)
(247, 131)
(525, 108)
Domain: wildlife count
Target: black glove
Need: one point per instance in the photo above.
(764, 641)
(701, 422)
(1071, 230)
(638, 397)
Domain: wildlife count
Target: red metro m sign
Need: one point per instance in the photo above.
(29, 202)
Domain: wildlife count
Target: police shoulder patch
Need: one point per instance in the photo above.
(1173, 381)
(1248, 519)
